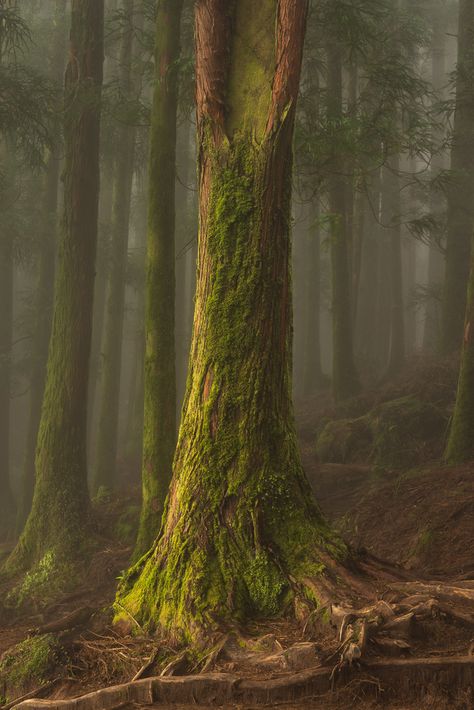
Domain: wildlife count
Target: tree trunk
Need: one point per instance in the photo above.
(240, 530)
(7, 502)
(345, 379)
(460, 446)
(460, 202)
(159, 435)
(313, 377)
(130, 85)
(57, 527)
(41, 335)
(45, 287)
(397, 319)
(432, 330)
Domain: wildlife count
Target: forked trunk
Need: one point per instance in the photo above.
(240, 534)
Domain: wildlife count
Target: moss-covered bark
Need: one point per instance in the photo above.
(240, 532)
(159, 436)
(460, 445)
(130, 87)
(56, 530)
(460, 204)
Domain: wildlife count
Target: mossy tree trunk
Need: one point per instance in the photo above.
(45, 284)
(240, 534)
(159, 435)
(57, 524)
(460, 447)
(130, 87)
(345, 378)
(459, 195)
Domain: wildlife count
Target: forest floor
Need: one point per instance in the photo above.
(420, 518)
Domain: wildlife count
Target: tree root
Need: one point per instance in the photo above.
(409, 678)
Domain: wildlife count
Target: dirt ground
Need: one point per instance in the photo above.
(422, 520)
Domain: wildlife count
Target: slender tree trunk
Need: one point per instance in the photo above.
(460, 202)
(159, 436)
(57, 529)
(397, 320)
(41, 334)
(313, 376)
(369, 281)
(432, 330)
(345, 379)
(7, 502)
(105, 468)
(460, 447)
(100, 293)
(45, 287)
(239, 520)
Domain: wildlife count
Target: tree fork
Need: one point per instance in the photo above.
(241, 535)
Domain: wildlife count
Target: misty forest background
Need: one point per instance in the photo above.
(384, 160)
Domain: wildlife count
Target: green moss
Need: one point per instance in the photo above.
(344, 440)
(47, 579)
(395, 434)
(252, 61)
(30, 662)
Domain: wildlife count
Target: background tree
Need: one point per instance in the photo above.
(159, 432)
(56, 531)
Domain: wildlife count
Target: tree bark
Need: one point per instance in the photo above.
(159, 435)
(459, 196)
(57, 526)
(240, 523)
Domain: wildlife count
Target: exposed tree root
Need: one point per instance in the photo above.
(409, 677)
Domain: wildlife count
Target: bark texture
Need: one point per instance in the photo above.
(56, 528)
(159, 436)
(240, 534)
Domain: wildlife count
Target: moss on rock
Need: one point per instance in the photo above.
(395, 434)
(29, 663)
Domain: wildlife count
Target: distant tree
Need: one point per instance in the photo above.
(129, 93)
(45, 267)
(25, 133)
(159, 436)
(57, 527)
(461, 189)
(460, 447)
